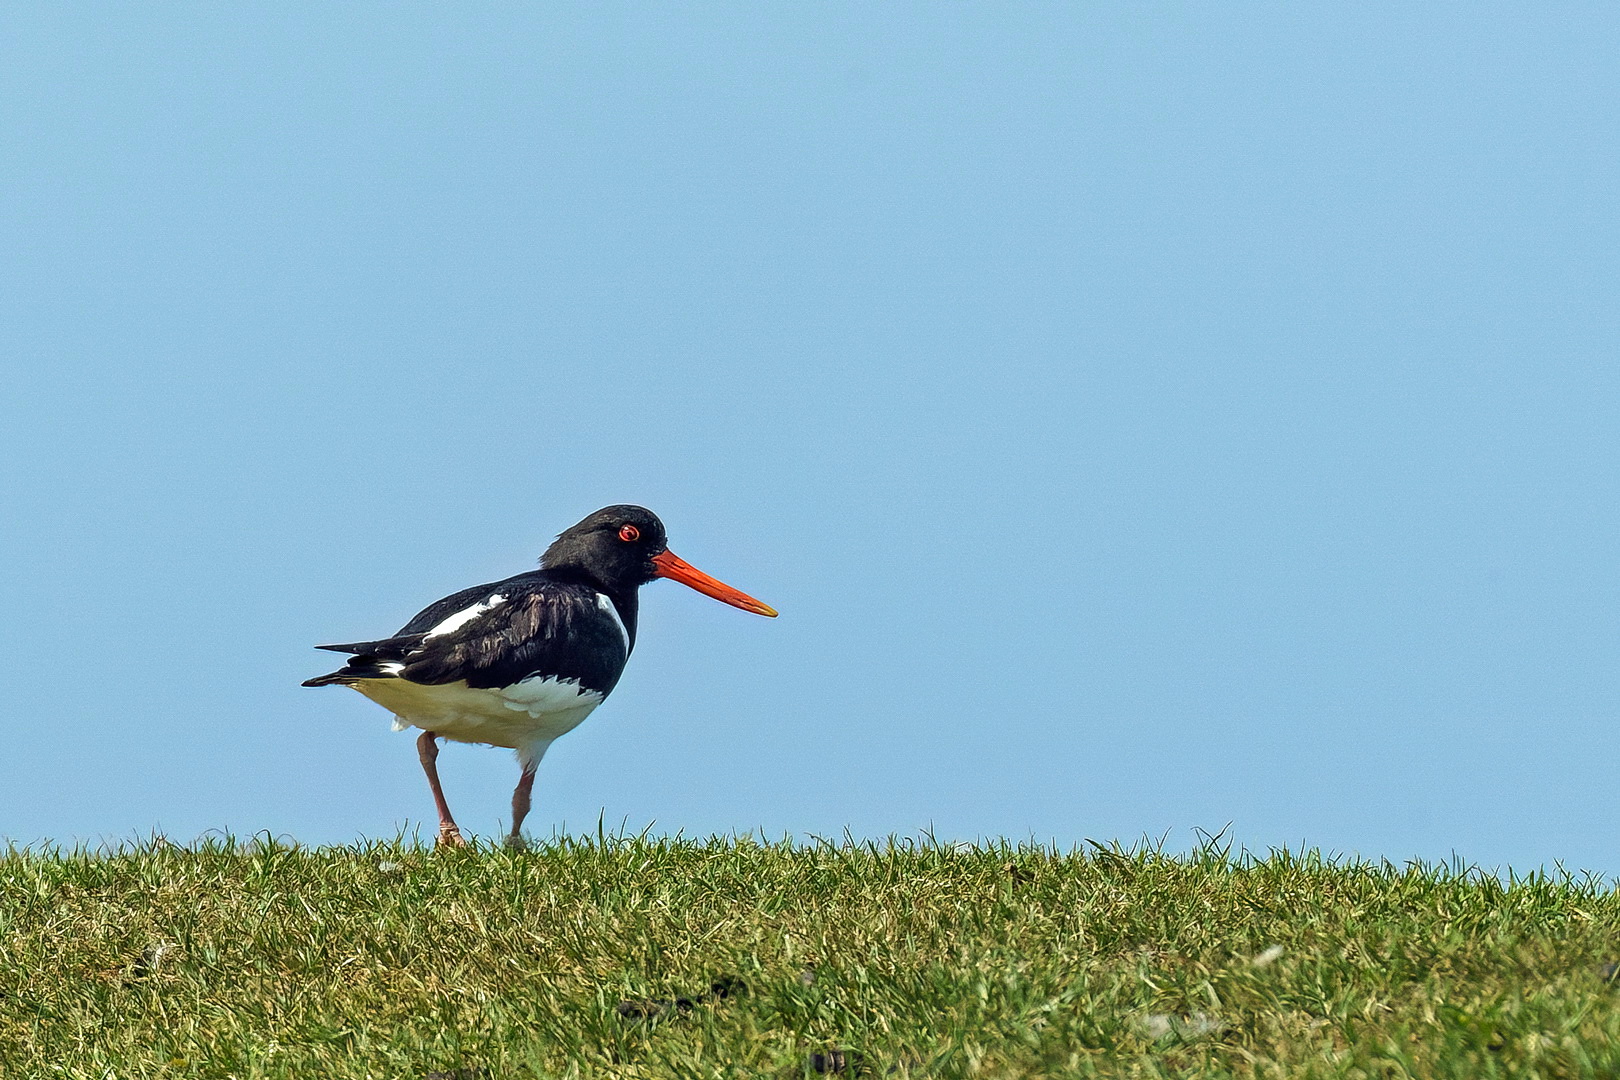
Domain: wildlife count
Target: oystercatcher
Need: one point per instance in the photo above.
(519, 662)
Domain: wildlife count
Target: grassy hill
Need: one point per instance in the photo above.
(638, 957)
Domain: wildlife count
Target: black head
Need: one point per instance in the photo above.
(621, 548)
(613, 547)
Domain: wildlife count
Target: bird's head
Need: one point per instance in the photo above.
(620, 548)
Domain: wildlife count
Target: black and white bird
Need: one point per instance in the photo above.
(519, 662)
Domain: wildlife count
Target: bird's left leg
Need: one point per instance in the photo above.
(520, 807)
(428, 751)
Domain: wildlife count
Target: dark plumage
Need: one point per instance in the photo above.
(551, 629)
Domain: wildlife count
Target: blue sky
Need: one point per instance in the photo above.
(1146, 418)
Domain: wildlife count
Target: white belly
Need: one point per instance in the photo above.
(525, 717)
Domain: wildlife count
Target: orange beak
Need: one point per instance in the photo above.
(672, 566)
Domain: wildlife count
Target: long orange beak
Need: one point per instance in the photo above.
(672, 566)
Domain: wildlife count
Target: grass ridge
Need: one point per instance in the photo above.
(907, 956)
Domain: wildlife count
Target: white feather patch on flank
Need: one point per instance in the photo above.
(464, 616)
(392, 667)
(605, 602)
(538, 695)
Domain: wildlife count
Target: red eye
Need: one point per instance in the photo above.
(629, 533)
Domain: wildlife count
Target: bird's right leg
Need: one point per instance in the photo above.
(520, 808)
(428, 751)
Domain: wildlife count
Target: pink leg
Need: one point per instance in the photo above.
(520, 807)
(428, 751)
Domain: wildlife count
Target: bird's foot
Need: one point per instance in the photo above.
(450, 836)
(515, 842)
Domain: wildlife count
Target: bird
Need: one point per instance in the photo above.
(519, 662)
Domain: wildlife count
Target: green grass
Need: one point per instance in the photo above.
(386, 960)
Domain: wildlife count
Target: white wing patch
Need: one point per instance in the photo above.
(464, 616)
(604, 602)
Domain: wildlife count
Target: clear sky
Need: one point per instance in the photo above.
(1145, 417)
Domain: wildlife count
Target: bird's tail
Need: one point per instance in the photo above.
(372, 660)
(336, 678)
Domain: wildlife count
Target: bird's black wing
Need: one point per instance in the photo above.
(384, 658)
(536, 627)
(548, 629)
(410, 635)
(437, 612)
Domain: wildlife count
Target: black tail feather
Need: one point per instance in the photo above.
(336, 678)
(391, 647)
(373, 660)
(361, 667)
